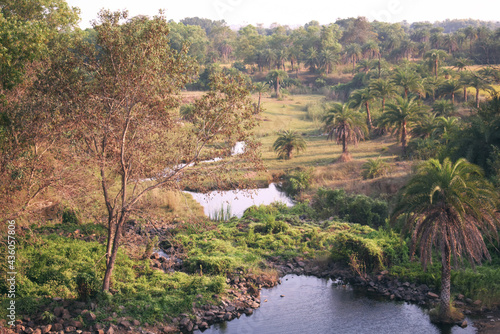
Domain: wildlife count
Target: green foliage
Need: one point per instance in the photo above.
(374, 168)
(358, 209)
(365, 250)
(69, 216)
(87, 284)
(296, 182)
(287, 142)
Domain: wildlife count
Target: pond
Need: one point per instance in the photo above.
(307, 304)
(235, 202)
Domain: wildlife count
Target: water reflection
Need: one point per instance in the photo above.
(313, 305)
(237, 201)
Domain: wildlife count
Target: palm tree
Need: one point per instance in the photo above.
(471, 34)
(287, 142)
(276, 76)
(346, 126)
(383, 89)
(260, 87)
(448, 207)
(443, 107)
(353, 53)
(328, 59)
(398, 116)
(478, 82)
(363, 97)
(406, 79)
(435, 57)
(451, 87)
(311, 60)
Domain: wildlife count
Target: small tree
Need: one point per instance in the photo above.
(287, 142)
(260, 88)
(126, 126)
(346, 126)
(276, 77)
(398, 116)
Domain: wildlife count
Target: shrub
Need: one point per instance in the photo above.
(374, 168)
(296, 181)
(367, 253)
(87, 285)
(359, 209)
(69, 216)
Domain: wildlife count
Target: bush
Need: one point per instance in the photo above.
(374, 168)
(296, 181)
(359, 209)
(367, 253)
(69, 216)
(87, 285)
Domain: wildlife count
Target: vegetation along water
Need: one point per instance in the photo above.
(380, 143)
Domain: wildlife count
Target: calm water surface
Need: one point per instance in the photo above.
(239, 200)
(318, 306)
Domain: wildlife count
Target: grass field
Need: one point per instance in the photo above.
(321, 154)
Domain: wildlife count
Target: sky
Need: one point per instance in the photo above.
(293, 13)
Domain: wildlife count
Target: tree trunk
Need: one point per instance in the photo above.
(258, 103)
(477, 97)
(403, 137)
(436, 67)
(445, 311)
(277, 87)
(344, 144)
(465, 94)
(111, 263)
(452, 98)
(368, 116)
(383, 104)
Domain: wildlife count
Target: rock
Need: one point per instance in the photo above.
(58, 311)
(46, 329)
(477, 302)
(184, 322)
(460, 297)
(70, 329)
(100, 331)
(125, 323)
(190, 326)
(28, 330)
(58, 327)
(90, 316)
(37, 331)
(136, 322)
(76, 324)
(110, 330)
(282, 296)
(432, 295)
(248, 311)
(203, 326)
(463, 324)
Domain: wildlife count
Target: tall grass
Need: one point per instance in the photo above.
(222, 214)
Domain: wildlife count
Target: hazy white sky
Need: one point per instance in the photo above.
(293, 12)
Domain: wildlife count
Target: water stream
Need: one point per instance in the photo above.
(313, 305)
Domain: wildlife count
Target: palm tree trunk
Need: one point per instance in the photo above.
(444, 310)
(465, 93)
(477, 97)
(368, 116)
(258, 103)
(344, 144)
(383, 104)
(403, 137)
(453, 98)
